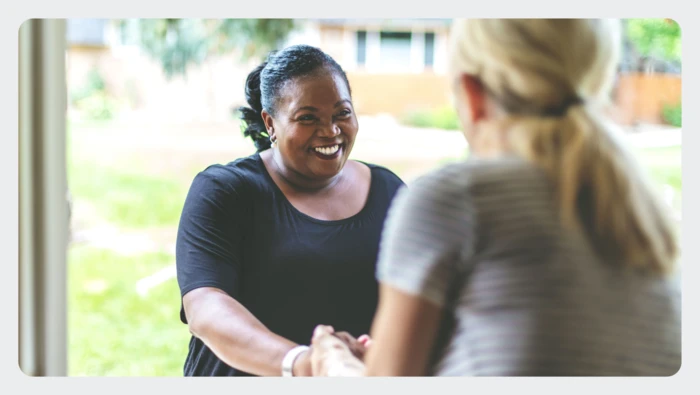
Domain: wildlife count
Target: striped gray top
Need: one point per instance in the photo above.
(521, 295)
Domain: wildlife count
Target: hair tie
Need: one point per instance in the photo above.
(564, 107)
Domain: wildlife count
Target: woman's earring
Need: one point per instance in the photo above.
(273, 141)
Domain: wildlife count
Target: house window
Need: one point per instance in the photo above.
(429, 49)
(395, 51)
(361, 47)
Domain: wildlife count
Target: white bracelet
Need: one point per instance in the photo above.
(289, 358)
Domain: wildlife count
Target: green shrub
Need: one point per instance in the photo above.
(672, 114)
(92, 99)
(439, 118)
(97, 107)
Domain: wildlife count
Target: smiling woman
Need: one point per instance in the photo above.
(271, 245)
(315, 128)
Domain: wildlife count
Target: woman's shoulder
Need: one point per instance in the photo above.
(238, 174)
(382, 172)
(474, 176)
(384, 183)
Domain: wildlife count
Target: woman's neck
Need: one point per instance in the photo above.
(297, 181)
(489, 138)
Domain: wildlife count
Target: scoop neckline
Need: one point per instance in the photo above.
(354, 217)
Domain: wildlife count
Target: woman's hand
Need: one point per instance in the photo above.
(336, 354)
(358, 347)
(365, 340)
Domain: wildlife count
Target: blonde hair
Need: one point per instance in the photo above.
(552, 77)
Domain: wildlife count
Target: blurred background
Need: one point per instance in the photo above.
(150, 102)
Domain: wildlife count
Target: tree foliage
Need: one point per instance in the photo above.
(179, 43)
(656, 37)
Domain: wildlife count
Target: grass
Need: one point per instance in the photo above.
(122, 194)
(126, 198)
(112, 330)
(664, 165)
(115, 332)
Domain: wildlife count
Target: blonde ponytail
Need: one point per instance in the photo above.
(599, 187)
(530, 65)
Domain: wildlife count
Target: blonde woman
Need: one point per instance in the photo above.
(547, 252)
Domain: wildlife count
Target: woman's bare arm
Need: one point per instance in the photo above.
(403, 334)
(236, 337)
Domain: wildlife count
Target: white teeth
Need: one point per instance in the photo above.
(327, 150)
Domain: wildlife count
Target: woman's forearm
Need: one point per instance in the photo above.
(235, 336)
(403, 333)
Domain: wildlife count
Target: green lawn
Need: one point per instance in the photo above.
(126, 198)
(664, 165)
(115, 332)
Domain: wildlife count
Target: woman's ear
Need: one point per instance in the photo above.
(269, 122)
(473, 91)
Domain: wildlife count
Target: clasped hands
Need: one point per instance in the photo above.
(334, 354)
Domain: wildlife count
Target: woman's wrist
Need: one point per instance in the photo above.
(302, 364)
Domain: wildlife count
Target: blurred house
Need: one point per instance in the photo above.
(646, 85)
(395, 66)
(98, 49)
